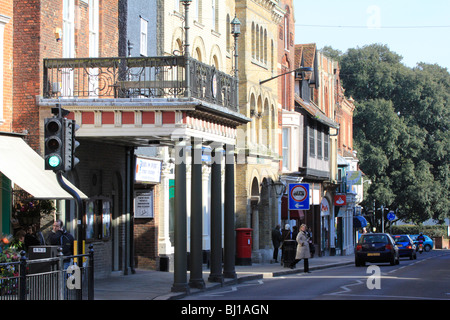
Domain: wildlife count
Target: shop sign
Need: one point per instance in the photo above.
(324, 207)
(340, 200)
(148, 170)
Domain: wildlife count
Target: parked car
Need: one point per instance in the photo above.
(405, 245)
(376, 247)
(428, 244)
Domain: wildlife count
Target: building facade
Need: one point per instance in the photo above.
(6, 103)
(258, 141)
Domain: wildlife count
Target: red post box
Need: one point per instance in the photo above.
(244, 246)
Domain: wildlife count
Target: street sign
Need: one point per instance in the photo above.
(298, 196)
(391, 216)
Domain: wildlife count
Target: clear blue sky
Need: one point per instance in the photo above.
(407, 27)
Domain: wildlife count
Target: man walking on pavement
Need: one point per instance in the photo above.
(276, 241)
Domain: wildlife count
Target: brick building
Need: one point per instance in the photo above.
(6, 96)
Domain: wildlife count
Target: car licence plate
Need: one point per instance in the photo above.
(373, 254)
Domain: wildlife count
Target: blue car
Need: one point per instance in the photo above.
(406, 246)
(427, 244)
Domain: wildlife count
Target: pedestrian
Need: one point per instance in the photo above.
(30, 238)
(286, 233)
(276, 241)
(312, 248)
(302, 249)
(61, 237)
(294, 232)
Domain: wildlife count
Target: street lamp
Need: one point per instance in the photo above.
(236, 31)
(279, 188)
(186, 4)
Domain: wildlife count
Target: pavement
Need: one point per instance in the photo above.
(157, 285)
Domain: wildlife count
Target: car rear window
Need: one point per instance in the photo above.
(376, 238)
(401, 239)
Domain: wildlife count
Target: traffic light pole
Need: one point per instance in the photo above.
(79, 205)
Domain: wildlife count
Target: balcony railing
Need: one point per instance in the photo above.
(138, 77)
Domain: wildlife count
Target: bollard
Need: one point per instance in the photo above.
(91, 273)
(61, 278)
(23, 276)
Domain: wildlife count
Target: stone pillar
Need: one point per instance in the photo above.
(229, 218)
(216, 215)
(180, 233)
(196, 258)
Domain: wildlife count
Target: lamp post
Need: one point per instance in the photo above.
(236, 31)
(279, 188)
(186, 4)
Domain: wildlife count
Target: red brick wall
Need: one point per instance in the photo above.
(146, 237)
(289, 57)
(26, 69)
(6, 9)
(35, 22)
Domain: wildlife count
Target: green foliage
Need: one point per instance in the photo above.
(401, 130)
(431, 231)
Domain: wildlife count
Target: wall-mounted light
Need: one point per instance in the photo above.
(58, 34)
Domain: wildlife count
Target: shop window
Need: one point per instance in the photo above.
(98, 218)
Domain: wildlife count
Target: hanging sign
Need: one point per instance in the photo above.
(148, 170)
(340, 200)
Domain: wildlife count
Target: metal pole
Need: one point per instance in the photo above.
(186, 49)
(23, 276)
(91, 273)
(236, 70)
(61, 272)
(79, 206)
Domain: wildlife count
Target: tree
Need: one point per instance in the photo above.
(401, 130)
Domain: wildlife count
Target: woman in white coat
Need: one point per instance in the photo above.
(302, 249)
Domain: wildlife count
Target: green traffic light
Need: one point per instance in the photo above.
(54, 161)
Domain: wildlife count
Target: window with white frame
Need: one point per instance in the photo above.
(312, 140)
(93, 45)
(68, 14)
(93, 28)
(3, 20)
(286, 148)
(215, 14)
(326, 146)
(144, 37)
(68, 29)
(319, 142)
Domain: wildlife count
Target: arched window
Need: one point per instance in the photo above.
(286, 28)
(265, 46)
(228, 34)
(253, 41)
(257, 42)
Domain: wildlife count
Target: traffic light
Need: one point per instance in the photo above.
(70, 144)
(53, 139)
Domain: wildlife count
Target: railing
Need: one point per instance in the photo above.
(62, 280)
(138, 77)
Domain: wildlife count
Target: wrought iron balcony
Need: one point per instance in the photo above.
(138, 77)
